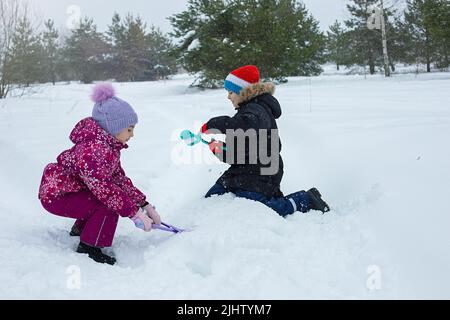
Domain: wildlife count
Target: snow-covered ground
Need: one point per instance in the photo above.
(378, 149)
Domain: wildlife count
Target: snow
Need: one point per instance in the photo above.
(195, 44)
(376, 148)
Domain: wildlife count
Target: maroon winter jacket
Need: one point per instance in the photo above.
(92, 164)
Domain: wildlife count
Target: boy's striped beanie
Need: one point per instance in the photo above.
(242, 78)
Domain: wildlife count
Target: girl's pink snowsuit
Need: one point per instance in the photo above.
(88, 184)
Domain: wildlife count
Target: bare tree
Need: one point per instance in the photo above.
(11, 11)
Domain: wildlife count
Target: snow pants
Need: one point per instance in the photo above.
(285, 206)
(96, 222)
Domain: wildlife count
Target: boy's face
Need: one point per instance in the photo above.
(125, 135)
(235, 99)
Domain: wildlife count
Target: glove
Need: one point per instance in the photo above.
(153, 214)
(142, 220)
(216, 146)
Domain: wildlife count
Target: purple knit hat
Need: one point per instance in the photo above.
(110, 112)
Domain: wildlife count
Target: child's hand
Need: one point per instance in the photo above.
(216, 146)
(153, 214)
(142, 221)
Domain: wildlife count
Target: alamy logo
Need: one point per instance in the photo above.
(74, 278)
(374, 281)
(250, 147)
(74, 19)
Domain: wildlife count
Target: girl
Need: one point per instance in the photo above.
(88, 183)
(257, 111)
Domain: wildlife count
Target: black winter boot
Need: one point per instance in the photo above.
(316, 201)
(95, 254)
(75, 232)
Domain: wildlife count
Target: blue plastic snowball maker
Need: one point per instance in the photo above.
(191, 139)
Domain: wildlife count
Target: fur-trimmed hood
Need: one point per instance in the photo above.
(266, 90)
(257, 89)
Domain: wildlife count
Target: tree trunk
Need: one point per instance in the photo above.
(337, 66)
(372, 67)
(371, 61)
(392, 67)
(4, 90)
(447, 60)
(427, 50)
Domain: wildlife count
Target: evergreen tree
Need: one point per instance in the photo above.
(86, 53)
(336, 44)
(425, 28)
(395, 42)
(160, 61)
(26, 54)
(365, 45)
(51, 50)
(139, 55)
(437, 17)
(279, 36)
(205, 31)
(118, 61)
(11, 12)
(418, 41)
(128, 39)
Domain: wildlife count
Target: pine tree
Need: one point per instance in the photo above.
(51, 49)
(11, 12)
(418, 41)
(365, 45)
(437, 17)
(425, 29)
(336, 44)
(160, 61)
(139, 55)
(86, 53)
(279, 36)
(129, 48)
(26, 54)
(116, 37)
(395, 41)
(205, 31)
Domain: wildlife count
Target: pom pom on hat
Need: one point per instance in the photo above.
(103, 92)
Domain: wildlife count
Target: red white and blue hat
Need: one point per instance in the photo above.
(242, 78)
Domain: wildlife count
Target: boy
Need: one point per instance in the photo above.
(253, 147)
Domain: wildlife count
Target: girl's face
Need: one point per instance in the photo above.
(235, 99)
(125, 135)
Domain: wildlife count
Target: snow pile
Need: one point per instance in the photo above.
(376, 148)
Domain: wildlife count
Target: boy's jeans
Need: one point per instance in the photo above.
(298, 201)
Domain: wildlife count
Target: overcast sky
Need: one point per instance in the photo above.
(156, 11)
